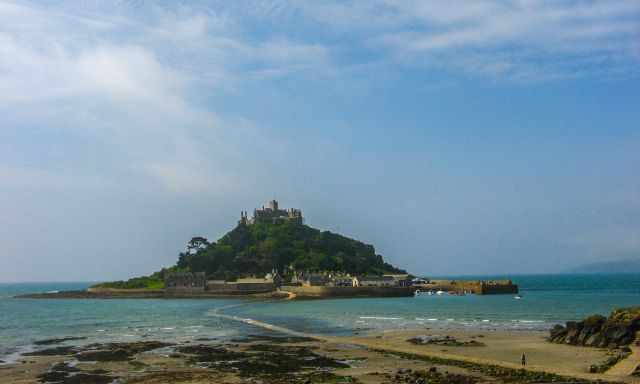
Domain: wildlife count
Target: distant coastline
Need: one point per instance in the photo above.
(624, 266)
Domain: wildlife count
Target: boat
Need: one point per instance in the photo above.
(517, 297)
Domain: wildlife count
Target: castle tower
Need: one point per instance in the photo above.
(273, 214)
(243, 218)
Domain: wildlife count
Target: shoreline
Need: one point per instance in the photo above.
(501, 348)
(145, 295)
(277, 354)
(376, 358)
(298, 294)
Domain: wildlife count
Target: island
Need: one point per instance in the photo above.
(274, 253)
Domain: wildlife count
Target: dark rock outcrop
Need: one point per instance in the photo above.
(63, 373)
(58, 340)
(102, 352)
(443, 340)
(617, 330)
(118, 351)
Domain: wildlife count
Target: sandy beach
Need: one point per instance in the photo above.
(386, 357)
(503, 348)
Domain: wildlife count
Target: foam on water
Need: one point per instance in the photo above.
(379, 318)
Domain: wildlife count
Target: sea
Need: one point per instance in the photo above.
(544, 300)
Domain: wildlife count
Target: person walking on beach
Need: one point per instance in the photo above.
(523, 359)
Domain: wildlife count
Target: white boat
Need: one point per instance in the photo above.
(440, 293)
(517, 297)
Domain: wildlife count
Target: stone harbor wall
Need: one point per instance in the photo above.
(240, 288)
(324, 291)
(478, 287)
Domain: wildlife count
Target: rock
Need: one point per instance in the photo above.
(617, 330)
(117, 351)
(63, 373)
(58, 340)
(104, 355)
(557, 333)
(53, 351)
(444, 340)
(88, 378)
(53, 376)
(64, 367)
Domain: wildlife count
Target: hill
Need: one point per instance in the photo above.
(617, 266)
(257, 249)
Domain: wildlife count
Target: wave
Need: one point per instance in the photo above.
(379, 318)
(12, 355)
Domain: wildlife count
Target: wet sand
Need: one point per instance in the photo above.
(503, 348)
(385, 357)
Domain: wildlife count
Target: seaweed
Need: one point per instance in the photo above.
(63, 373)
(509, 375)
(58, 340)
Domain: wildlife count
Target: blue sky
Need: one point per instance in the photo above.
(494, 137)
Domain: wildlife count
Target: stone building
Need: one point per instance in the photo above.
(345, 281)
(377, 281)
(272, 214)
(315, 280)
(402, 280)
(185, 281)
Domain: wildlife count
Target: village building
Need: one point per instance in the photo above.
(377, 281)
(345, 281)
(315, 280)
(402, 280)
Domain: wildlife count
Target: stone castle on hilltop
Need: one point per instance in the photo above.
(272, 214)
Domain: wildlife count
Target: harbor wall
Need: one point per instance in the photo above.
(478, 287)
(323, 291)
(239, 288)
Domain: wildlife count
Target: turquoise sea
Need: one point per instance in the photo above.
(546, 300)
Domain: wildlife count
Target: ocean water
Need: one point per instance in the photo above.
(546, 300)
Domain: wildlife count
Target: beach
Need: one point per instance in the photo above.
(364, 340)
(385, 357)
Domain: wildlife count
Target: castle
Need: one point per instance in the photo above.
(272, 214)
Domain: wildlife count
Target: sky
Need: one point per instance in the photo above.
(493, 137)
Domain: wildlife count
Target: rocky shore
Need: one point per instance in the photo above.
(615, 331)
(276, 358)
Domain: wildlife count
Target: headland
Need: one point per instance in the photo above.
(274, 254)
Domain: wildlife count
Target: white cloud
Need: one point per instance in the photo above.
(545, 39)
(135, 84)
